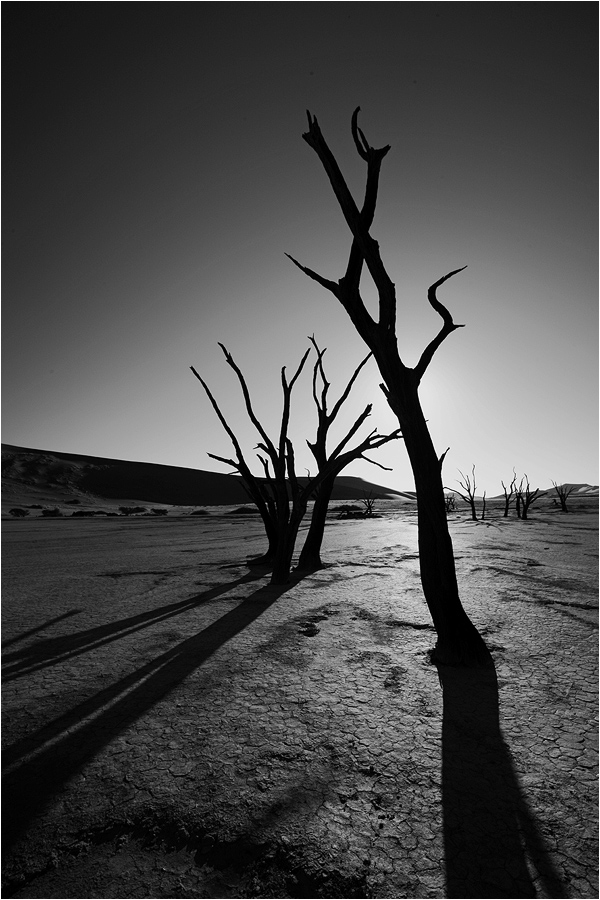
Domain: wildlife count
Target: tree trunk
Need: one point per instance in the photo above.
(310, 557)
(458, 641)
(285, 549)
(267, 558)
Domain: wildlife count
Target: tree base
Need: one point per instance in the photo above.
(309, 565)
(469, 653)
(266, 560)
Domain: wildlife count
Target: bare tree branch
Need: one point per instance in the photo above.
(447, 328)
(443, 457)
(359, 225)
(324, 282)
(354, 428)
(229, 462)
(220, 415)
(349, 387)
(285, 416)
(231, 362)
(319, 369)
(374, 463)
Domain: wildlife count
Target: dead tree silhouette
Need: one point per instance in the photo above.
(272, 496)
(259, 492)
(280, 521)
(564, 492)
(458, 641)
(525, 497)
(468, 493)
(508, 493)
(334, 462)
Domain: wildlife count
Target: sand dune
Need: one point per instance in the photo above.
(30, 475)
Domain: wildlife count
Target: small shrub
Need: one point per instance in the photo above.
(159, 512)
(244, 511)
(83, 513)
(19, 513)
(199, 512)
(131, 510)
(350, 511)
(52, 513)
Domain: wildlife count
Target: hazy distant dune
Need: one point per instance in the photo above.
(26, 471)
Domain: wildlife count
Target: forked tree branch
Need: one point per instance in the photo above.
(371, 442)
(366, 249)
(447, 328)
(354, 428)
(318, 369)
(349, 387)
(249, 482)
(285, 416)
(359, 222)
(269, 446)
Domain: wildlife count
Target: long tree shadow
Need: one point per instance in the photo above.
(50, 651)
(25, 634)
(493, 847)
(45, 760)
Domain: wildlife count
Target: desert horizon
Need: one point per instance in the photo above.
(30, 474)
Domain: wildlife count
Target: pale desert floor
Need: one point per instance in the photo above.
(174, 727)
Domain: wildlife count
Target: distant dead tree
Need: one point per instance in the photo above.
(564, 492)
(369, 504)
(458, 641)
(333, 463)
(508, 493)
(450, 502)
(525, 497)
(468, 491)
(272, 495)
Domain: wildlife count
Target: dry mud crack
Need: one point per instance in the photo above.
(177, 730)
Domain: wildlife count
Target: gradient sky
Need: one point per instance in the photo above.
(155, 175)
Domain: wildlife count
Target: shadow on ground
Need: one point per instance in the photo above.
(50, 651)
(45, 760)
(493, 847)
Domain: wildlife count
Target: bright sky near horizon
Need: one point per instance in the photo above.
(155, 176)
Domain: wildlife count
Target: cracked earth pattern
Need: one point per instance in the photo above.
(175, 727)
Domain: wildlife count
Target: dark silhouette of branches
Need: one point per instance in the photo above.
(272, 494)
(263, 495)
(468, 493)
(508, 493)
(334, 462)
(457, 639)
(525, 497)
(564, 492)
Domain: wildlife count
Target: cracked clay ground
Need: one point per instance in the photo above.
(174, 727)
